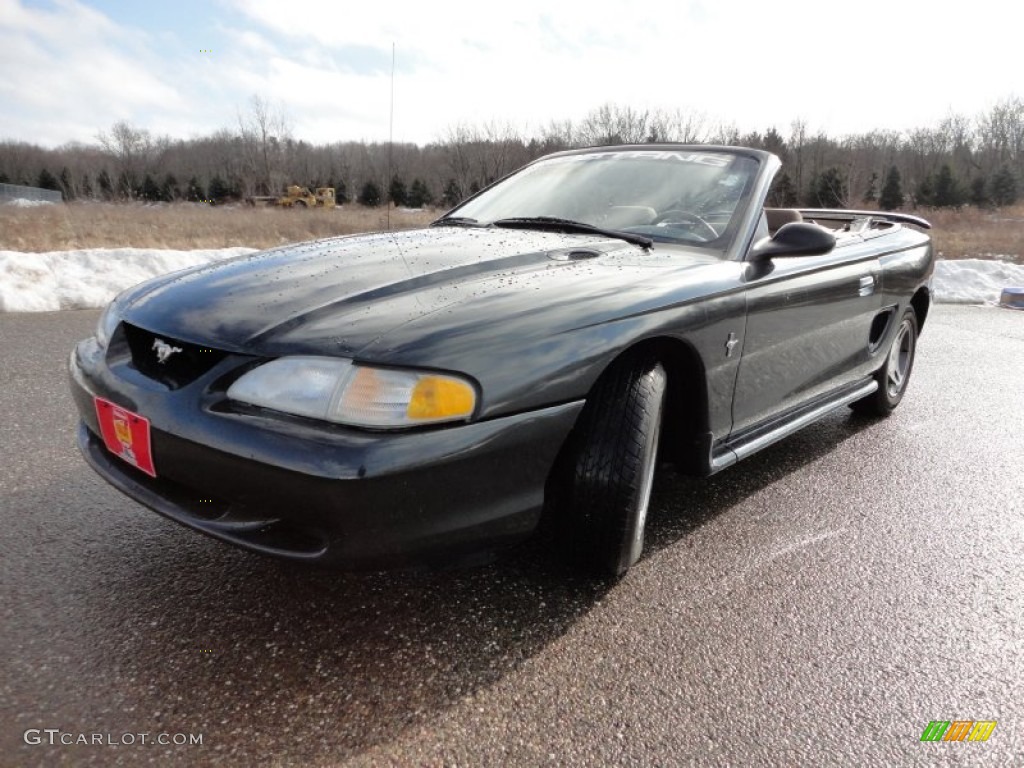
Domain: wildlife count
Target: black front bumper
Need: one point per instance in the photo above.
(339, 496)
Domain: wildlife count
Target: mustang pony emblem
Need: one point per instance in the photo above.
(163, 350)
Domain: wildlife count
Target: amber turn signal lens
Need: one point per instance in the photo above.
(441, 398)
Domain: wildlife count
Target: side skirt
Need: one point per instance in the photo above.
(753, 440)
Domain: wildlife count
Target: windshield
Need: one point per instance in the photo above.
(676, 196)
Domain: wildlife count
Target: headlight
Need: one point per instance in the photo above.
(108, 323)
(337, 390)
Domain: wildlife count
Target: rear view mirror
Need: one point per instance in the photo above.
(797, 238)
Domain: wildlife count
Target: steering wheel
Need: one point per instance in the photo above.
(678, 214)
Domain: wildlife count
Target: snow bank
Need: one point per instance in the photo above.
(21, 202)
(974, 281)
(42, 282)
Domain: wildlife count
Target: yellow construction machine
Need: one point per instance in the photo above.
(299, 197)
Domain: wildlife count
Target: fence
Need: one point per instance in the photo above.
(16, 192)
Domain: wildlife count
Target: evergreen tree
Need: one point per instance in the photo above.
(979, 193)
(1004, 187)
(452, 195)
(782, 193)
(195, 192)
(829, 189)
(67, 186)
(169, 189)
(810, 195)
(773, 142)
(891, 197)
(4, 178)
(419, 194)
(924, 194)
(86, 186)
(947, 189)
(474, 187)
(340, 192)
(396, 191)
(105, 185)
(369, 195)
(872, 192)
(219, 189)
(47, 180)
(150, 190)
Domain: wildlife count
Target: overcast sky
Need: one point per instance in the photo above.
(69, 69)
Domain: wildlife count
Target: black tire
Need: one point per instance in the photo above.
(608, 468)
(894, 375)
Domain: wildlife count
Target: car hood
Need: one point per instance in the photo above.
(341, 295)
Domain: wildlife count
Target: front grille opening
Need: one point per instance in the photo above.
(172, 362)
(251, 528)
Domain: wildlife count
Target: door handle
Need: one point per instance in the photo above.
(867, 285)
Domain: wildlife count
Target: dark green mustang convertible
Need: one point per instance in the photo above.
(421, 396)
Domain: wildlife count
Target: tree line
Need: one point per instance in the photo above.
(960, 161)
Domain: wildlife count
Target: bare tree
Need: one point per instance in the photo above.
(129, 148)
(797, 146)
(1001, 135)
(458, 153)
(265, 132)
(614, 124)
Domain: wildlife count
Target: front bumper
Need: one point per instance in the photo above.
(322, 493)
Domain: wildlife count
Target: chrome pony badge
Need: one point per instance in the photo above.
(163, 350)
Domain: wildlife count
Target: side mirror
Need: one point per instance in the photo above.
(797, 238)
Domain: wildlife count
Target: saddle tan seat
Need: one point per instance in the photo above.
(779, 216)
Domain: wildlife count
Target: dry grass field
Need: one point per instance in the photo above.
(968, 233)
(186, 225)
(973, 233)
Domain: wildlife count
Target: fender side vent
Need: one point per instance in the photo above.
(879, 327)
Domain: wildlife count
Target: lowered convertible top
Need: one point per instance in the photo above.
(843, 214)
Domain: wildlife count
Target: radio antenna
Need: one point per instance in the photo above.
(391, 138)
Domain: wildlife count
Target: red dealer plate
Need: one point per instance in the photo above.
(126, 434)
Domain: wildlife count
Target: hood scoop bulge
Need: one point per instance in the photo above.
(574, 254)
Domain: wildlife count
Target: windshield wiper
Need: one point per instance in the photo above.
(456, 221)
(568, 225)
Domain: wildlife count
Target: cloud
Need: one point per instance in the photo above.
(69, 70)
(71, 62)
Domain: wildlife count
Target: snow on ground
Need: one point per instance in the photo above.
(975, 281)
(42, 282)
(21, 202)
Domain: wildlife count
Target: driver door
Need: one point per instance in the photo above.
(807, 332)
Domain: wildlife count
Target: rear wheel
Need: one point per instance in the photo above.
(608, 470)
(893, 377)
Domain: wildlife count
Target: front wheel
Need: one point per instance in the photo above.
(609, 467)
(893, 377)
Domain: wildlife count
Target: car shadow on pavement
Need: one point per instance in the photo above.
(268, 658)
(680, 505)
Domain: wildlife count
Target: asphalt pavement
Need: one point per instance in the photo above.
(817, 604)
